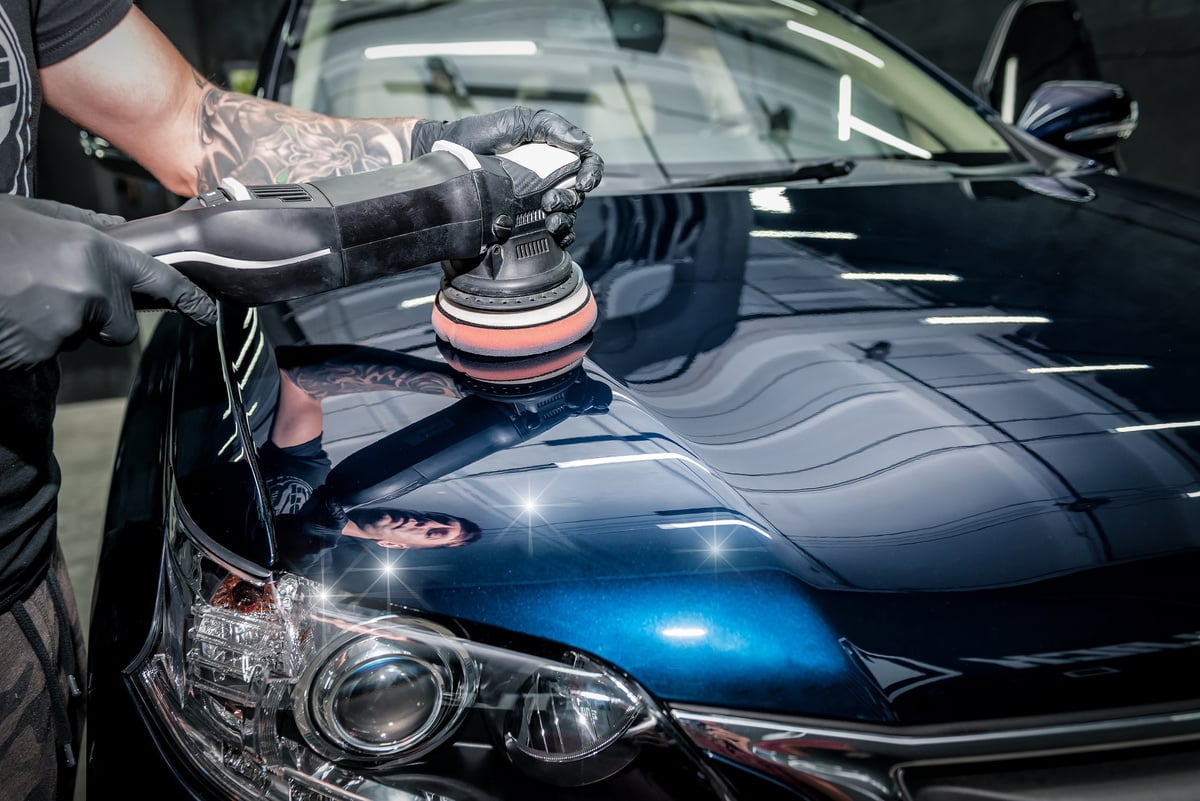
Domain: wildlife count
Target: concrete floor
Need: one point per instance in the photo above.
(86, 442)
(85, 436)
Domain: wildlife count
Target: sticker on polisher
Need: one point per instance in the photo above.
(544, 160)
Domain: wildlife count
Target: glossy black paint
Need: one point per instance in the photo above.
(126, 583)
(941, 551)
(929, 508)
(949, 538)
(937, 491)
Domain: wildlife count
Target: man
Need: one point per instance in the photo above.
(102, 64)
(405, 529)
(293, 458)
(295, 465)
(308, 540)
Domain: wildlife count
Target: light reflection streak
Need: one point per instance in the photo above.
(847, 122)
(684, 632)
(766, 233)
(1008, 94)
(514, 47)
(262, 341)
(833, 41)
(1086, 368)
(249, 322)
(770, 199)
(707, 523)
(945, 277)
(412, 303)
(1195, 494)
(801, 7)
(228, 442)
(1157, 426)
(984, 319)
(632, 457)
(1036, 116)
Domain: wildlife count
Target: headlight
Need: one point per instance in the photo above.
(273, 691)
(567, 717)
(392, 691)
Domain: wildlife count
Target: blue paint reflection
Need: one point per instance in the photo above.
(730, 628)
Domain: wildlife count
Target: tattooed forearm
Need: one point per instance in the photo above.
(258, 141)
(321, 381)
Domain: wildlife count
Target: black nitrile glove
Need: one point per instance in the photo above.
(325, 514)
(507, 129)
(62, 281)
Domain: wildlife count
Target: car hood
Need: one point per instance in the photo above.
(844, 471)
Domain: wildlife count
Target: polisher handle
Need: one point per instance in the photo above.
(244, 247)
(261, 244)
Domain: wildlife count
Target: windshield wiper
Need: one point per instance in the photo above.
(1013, 168)
(810, 171)
(954, 169)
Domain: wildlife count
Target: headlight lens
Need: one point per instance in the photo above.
(566, 717)
(275, 692)
(394, 691)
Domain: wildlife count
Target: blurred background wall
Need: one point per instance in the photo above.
(1151, 47)
(222, 39)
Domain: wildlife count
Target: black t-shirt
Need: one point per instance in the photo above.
(292, 474)
(33, 34)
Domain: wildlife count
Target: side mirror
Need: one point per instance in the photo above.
(1089, 118)
(1034, 41)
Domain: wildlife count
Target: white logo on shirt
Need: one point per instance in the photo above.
(288, 494)
(14, 110)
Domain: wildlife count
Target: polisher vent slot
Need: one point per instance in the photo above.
(527, 217)
(288, 193)
(537, 247)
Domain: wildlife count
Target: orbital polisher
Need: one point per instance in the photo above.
(508, 289)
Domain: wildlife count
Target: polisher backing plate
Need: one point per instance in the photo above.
(516, 333)
(518, 369)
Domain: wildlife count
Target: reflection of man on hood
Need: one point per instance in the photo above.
(293, 460)
(404, 528)
(322, 525)
(295, 465)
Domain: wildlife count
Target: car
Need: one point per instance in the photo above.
(878, 476)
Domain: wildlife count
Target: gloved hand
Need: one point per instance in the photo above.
(324, 517)
(61, 281)
(507, 129)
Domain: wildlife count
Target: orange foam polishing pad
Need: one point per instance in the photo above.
(514, 333)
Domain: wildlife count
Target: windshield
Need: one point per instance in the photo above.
(671, 90)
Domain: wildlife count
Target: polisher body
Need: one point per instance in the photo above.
(508, 288)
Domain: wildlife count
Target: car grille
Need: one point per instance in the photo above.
(1144, 754)
(1161, 774)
